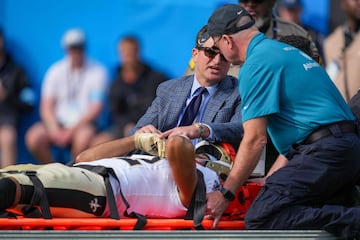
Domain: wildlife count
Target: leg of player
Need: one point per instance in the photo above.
(181, 156)
(10, 193)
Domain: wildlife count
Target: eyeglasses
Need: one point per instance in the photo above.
(211, 52)
(253, 1)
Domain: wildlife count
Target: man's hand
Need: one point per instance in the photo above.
(148, 129)
(191, 132)
(216, 206)
(60, 136)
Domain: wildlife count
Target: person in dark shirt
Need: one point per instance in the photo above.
(131, 92)
(13, 86)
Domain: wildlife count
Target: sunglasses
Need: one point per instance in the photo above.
(254, 1)
(211, 52)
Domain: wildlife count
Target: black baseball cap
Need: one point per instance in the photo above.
(229, 19)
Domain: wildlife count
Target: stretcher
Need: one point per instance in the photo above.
(111, 224)
(233, 219)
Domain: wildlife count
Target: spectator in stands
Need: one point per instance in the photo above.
(71, 100)
(131, 92)
(13, 86)
(341, 49)
(291, 10)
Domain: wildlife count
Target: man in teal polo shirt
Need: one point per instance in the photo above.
(287, 95)
(273, 89)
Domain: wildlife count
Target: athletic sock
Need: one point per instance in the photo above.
(7, 193)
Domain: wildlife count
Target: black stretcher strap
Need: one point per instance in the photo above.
(39, 196)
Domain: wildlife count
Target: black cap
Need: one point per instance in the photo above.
(229, 19)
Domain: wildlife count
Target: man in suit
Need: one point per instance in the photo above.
(218, 118)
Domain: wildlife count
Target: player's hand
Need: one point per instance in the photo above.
(61, 137)
(150, 143)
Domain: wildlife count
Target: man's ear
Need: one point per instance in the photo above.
(228, 41)
(195, 53)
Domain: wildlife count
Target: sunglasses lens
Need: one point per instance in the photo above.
(214, 52)
(210, 52)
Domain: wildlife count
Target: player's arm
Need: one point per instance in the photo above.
(110, 149)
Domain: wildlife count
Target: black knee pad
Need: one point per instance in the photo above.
(7, 193)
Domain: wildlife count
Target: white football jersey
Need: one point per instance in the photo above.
(148, 185)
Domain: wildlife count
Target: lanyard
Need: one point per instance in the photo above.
(274, 28)
(73, 82)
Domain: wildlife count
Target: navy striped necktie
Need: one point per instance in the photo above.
(192, 108)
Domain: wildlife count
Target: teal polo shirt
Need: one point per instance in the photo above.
(289, 88)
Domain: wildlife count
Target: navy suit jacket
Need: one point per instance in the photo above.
(222, 114)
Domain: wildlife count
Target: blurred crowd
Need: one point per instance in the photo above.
(76, 91)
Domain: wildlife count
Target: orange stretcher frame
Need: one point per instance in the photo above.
(231, 220)
(111, 224)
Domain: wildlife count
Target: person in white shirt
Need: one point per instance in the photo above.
(72, 98)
